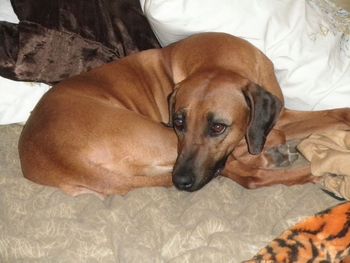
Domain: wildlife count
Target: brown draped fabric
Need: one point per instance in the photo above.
(59, 38)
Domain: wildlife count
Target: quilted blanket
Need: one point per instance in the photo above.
(220, 223)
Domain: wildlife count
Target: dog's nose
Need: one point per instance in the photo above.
(183, 182)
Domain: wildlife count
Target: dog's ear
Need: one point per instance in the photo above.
(171, 105)
(264, 112)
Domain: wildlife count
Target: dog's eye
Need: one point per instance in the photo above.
(217, 129)
(179, 124)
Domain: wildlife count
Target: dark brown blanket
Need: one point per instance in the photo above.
(59, 38)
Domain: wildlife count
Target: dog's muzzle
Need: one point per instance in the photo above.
(184, 178)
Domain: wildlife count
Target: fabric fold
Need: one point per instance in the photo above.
(329, 156)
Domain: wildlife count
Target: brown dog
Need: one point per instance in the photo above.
(102, 131)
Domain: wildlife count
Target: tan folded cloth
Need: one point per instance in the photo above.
(329, 155)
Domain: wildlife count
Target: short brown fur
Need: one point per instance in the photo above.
(102, 131)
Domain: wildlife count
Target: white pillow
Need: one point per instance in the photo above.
(311, 57)
(17, 99)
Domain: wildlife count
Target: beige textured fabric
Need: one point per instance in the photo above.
(329, 154)
(220, 223)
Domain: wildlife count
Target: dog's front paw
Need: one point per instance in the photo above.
(284, 155)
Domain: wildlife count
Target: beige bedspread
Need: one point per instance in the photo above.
(220, 223)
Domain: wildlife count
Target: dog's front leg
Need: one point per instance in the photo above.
(250, 176)
(279, 163)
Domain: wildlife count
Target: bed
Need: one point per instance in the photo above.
(222, 222)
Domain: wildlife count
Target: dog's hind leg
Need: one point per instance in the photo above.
(102, 149)
(301, 124)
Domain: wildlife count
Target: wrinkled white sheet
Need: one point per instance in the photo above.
(309, 46)
(310, 50)
(6, 12)
(17, 98)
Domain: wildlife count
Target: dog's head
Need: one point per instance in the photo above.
(210, 113)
